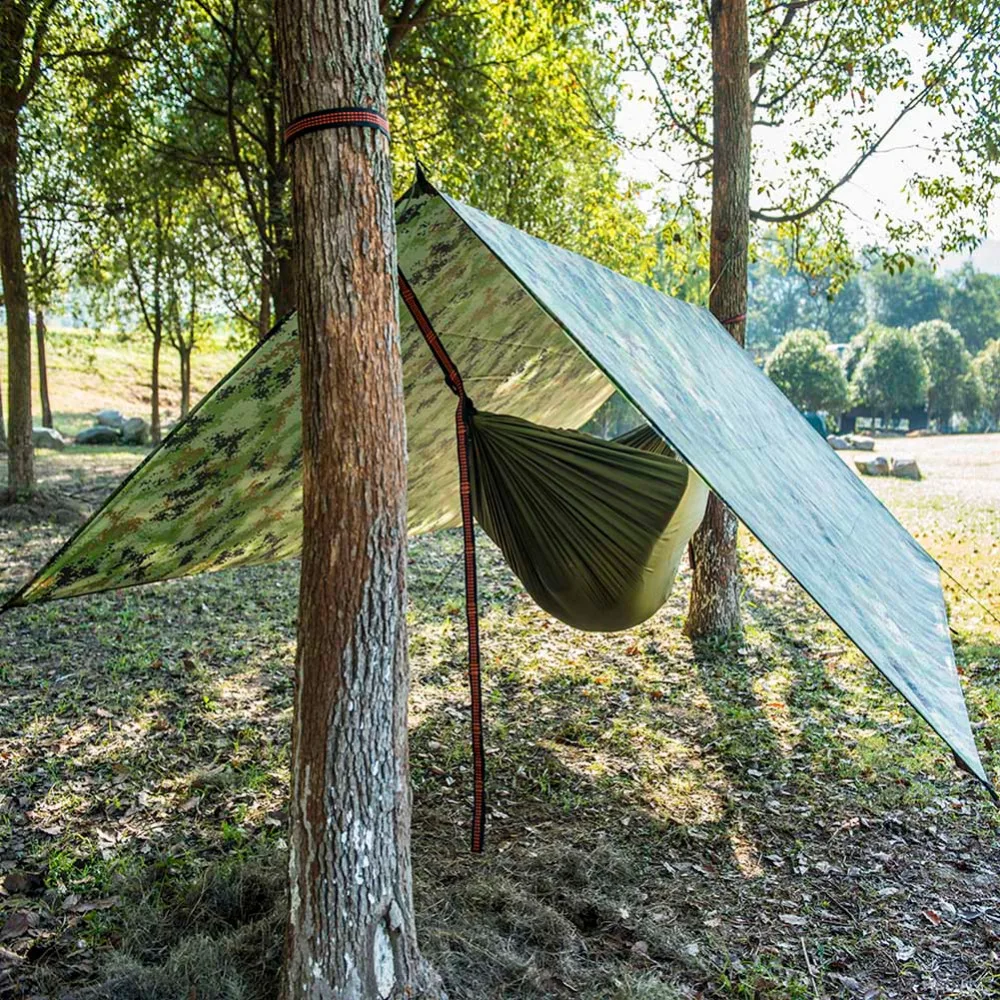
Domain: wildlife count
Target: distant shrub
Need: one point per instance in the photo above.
(892, 374)
(808, 373)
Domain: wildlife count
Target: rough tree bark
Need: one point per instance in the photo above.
(351, 933)
(43, 371)
(20, 454)
(154, 383)
(715, 591)
(264, 311)
(184, 355)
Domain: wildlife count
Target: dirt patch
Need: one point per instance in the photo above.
(43, 506)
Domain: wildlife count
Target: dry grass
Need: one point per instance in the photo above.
(760, 819)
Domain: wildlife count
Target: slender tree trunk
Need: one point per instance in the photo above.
(264, 313)
(20, 453)
(351, 933)
(185, 366)
(715, 590)
(3, 425)
(43, 372)
(154, 384)
(283, 284)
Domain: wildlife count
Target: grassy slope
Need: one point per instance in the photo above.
(92, 370)
(761, 819)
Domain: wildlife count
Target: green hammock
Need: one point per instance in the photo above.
(595, 530)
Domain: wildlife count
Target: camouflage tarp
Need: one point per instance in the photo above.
(546, 335)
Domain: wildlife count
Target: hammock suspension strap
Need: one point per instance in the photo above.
(463, 414)
(316, 121)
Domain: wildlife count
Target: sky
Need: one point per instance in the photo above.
(877, 187)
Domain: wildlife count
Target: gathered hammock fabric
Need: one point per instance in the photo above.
(595, 530)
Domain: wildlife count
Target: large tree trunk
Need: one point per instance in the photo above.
(43, 371)
(351, 933)
(20, 454)
(154, 387)
(715, 590)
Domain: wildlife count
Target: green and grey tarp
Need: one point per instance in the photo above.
(546, 336)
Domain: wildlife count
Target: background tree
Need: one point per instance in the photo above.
(949, 368)
(892, 374)
(988, 369)
(41, 40)
(973, 306)
(508, 104)
(815, 70)
(808, 373)
(187, 323)
(351, 933)
(24, 25)
(782, 300)
(498, 99)
(51, 196)
(904, 296)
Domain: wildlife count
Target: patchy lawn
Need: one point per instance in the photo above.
(93, 370)
(754, 819)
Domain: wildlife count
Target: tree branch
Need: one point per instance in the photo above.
(756, 65)
(804, 75)
(686, 127)
(411, 15)
(766, 215)
(35, 66)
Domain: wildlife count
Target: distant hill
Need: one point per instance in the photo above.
(985, 258)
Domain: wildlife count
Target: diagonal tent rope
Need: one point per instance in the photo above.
(968, 593)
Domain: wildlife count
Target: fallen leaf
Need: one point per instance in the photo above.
(91, 905)
(18, 923)
(23, 883)
(904, 952)
(931, 917)
(793, 918)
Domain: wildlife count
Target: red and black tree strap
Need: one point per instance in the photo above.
(316, 121)
(462, 414)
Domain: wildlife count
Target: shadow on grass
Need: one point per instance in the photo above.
(666, 820)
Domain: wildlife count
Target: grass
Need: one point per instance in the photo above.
(759, 818)
(93, 370)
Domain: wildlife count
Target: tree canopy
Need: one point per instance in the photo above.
(987, 366)
(808, 373)
(974, 306)
(834, 78)
(891, 375)
(951, 385)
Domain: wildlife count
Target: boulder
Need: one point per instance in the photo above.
(99, 435)
(873, 466)
(135, 431)
(861, 443)
(906, 468)
(110, 418)
(47, 437)
(838, 443)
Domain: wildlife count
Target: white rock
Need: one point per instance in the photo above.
(110, 418)
(906, 468)
(873, 466)
(47, 437)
